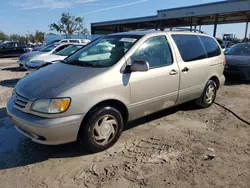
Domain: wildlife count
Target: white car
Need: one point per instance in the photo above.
(47, 50)
(41, 61)
(82, 41)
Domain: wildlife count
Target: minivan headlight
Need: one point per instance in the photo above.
(51, 106)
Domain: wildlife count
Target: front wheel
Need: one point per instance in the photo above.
(208, 96)
(102, 129)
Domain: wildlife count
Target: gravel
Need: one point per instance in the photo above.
(179, 147)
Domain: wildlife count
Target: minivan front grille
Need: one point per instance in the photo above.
(19, 100)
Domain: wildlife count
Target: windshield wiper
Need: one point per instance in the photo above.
(81, 63)
(63, 61)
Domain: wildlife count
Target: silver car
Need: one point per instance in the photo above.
(41, 61)
(92, 94)
(47, 50)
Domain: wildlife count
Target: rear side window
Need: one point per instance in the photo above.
(21, 45)
(63, 41)
(211, 46)
(10, 45)
(74, 41)
(190, 47)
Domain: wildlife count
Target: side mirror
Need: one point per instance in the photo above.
(139, 66)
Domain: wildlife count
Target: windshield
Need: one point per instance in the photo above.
(239, 49)
(48, 48)
(103, 52)
(69, 50)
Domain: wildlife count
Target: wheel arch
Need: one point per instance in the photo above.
(216, 80)
(109, 102)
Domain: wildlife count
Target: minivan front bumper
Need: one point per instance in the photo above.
(52, 131)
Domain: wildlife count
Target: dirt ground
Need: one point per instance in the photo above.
(179, 147)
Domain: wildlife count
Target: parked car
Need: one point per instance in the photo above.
(91, 99)
(41, 61)
(47, 50)
(238, 62)
(53, 42)
(84, 41)
(30, 47)
(38, 47)
(227, 45)
(13, 49)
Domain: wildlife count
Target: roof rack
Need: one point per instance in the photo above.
(185, 29)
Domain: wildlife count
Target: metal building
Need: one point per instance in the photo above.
(223, 12)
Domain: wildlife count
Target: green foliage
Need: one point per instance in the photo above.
(39, 36)
(69, 25)
(16, 37)
(3, 35)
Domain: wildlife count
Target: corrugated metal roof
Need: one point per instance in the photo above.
(200, 5)
(159, 12)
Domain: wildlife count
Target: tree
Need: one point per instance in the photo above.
(16, 37)
(69, 25)
(39, 36)
(31, 38)
(3, 35)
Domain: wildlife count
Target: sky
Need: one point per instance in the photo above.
(27, 16)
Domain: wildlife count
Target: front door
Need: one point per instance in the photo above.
(9, 49)
(157, 88)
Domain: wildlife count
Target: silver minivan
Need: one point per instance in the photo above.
(91, 94)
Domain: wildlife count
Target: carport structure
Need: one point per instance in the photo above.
(223, 12)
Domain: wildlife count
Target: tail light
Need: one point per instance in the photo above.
(224, 62)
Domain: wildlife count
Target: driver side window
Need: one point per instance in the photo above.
(10, 45)
(156, 51)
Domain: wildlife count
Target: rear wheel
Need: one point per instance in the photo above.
(102, 129)
(208, 96)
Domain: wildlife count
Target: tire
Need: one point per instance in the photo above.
(94, 135)
(207, 98)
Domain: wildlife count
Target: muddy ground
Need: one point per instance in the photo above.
(179, 147)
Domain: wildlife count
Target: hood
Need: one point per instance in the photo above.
(238, 60)
(29, 55)
(48, 57)
(41, 60)
(52, 80)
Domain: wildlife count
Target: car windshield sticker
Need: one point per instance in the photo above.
(132, 40)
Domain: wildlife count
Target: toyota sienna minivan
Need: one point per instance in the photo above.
(91, 94)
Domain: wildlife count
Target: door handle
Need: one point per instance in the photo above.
(173, 72)
(185, 69)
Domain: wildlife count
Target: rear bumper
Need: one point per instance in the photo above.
(222, 80)
(53, 131)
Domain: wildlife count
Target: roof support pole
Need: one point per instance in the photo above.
(92, 30)
(215, 24)
(246, 31)
(199, 27)
(191, 23)
(161, 25)
(156, 25)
